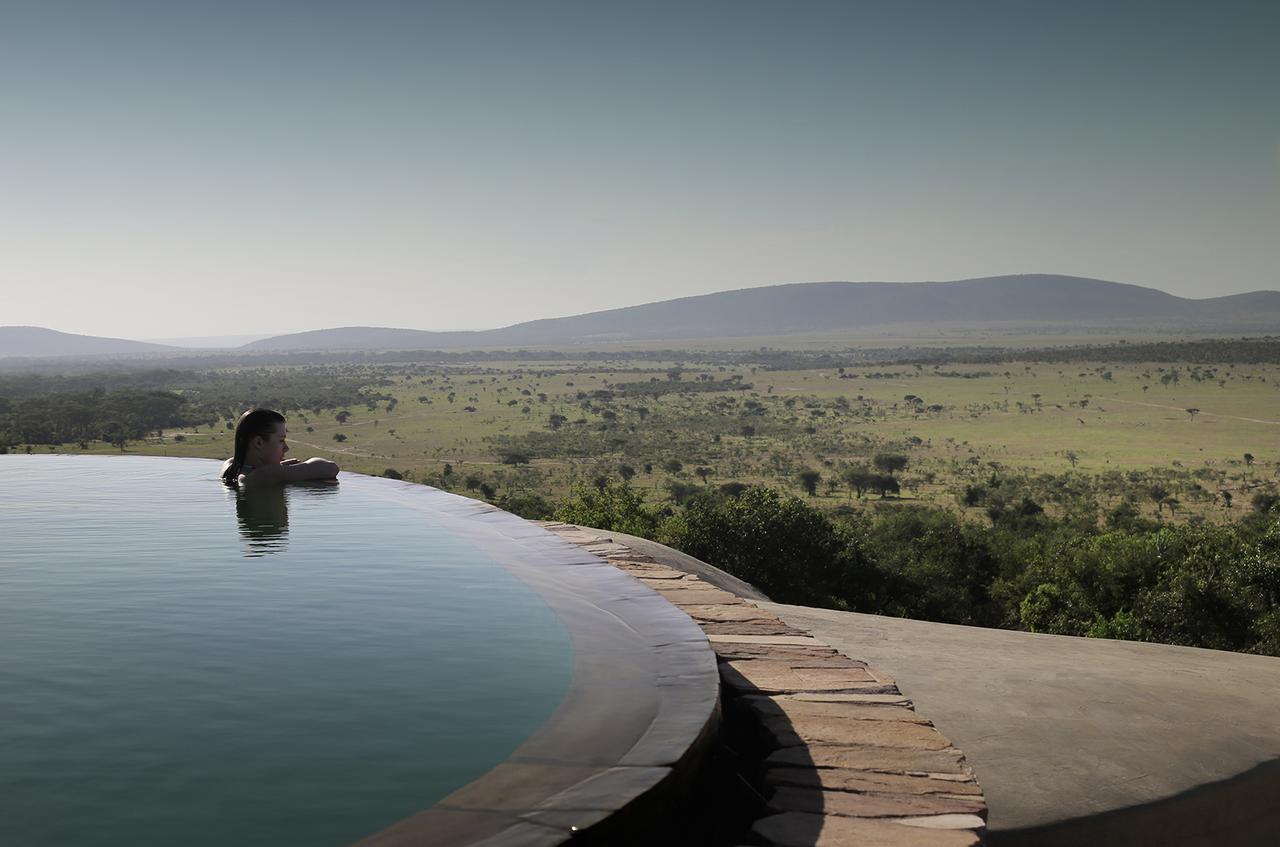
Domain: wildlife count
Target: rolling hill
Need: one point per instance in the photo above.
(831, 306)
(38, 341)
(775, 310)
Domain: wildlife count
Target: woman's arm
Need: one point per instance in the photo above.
(294, 472)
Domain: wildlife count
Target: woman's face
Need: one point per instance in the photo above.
(272, 447)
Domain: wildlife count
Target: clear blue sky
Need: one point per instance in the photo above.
(173, 169)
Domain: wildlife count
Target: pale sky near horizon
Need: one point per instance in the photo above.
(172, 170)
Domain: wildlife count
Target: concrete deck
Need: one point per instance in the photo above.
(1086, 741)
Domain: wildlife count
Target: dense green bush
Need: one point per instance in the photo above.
(786, 548)
(526, 505)
(1201, 586)
(612, 506)
(939, 567)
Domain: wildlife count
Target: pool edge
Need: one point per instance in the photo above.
(635, 727)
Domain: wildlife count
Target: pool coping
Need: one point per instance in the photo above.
(635, 727)
(837, 753)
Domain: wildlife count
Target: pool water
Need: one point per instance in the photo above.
(180, 664)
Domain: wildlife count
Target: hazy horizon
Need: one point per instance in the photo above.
(236, 340)
(239, 170)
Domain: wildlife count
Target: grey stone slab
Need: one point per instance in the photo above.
(683, 593)
(516, 787)
(686, 658)
(850, 779)
(779, 677)
(785, 707)
(820, 697)
(610, 789)
(689, 709)
(784, 640)
(905, 760)
(721, 613)
(659, 574)
(875, 805)
(790, 730)
(682, 561)
(568, 823)
(770, 651)
(803, 829)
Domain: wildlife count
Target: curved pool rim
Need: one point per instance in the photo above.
(635, 726)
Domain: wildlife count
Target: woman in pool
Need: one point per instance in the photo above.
(260, 449)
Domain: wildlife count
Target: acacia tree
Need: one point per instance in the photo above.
(890, 463)
(1159, 494)
(858, 478)
(809, 480)
(884, 485)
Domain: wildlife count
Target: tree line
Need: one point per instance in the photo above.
(97, 415)
(118, 407)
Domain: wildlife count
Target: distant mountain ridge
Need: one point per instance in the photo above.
(823, 307)
(775, 310)
(38, 341)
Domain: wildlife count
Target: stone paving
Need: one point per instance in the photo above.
(848, 759)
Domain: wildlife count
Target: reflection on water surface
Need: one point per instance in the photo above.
(263, 514)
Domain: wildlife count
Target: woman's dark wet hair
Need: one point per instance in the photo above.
(253, 423)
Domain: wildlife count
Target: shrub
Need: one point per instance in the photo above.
(681, 491)
(529, 506)
(616, 506)
(889, 463)
(940, 567)
(791, 551)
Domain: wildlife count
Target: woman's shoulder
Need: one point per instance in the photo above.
(243, 472)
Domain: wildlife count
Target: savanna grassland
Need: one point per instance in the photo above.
(1185, 441)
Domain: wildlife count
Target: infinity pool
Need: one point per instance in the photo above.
(180, 664)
